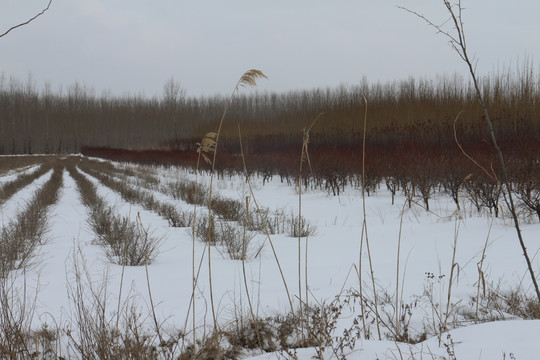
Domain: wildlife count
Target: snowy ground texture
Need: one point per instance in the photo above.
(422, 269)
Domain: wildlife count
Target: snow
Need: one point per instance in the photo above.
(425, 258)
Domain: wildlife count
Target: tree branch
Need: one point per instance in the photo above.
(459, 44)
(27, 22)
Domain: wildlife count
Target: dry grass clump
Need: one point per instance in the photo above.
(263, 220)
(214, 346)
(251, 335)
(173, 216)
(187, 191)
(145, 179)
(204, 230)
(284, 333)
(125, 242)
(235, 241)
(228, 209)
(300, 227)
(501, 304)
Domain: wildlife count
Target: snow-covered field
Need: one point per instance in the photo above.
(426, 242)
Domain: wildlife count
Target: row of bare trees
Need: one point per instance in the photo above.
(39, 120)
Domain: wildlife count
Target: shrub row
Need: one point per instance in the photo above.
(20, 237)
(169, 212)
(9, 188)
(125, 242)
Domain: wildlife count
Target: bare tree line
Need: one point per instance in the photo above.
(36, 120)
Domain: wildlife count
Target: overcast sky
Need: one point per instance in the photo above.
(135, 46)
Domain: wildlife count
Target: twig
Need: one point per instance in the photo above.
(28, 21)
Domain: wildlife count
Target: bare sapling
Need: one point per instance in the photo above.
(458, 42)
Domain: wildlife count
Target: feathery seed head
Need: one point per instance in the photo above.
(208, 144)
(250, 78)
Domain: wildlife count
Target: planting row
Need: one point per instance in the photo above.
(124, 241)
(228, 210)
(418, 173)
(24, 232)
(22, 180)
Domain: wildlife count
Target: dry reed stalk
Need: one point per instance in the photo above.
(209, 145)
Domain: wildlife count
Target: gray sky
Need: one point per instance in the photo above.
(135, 46)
